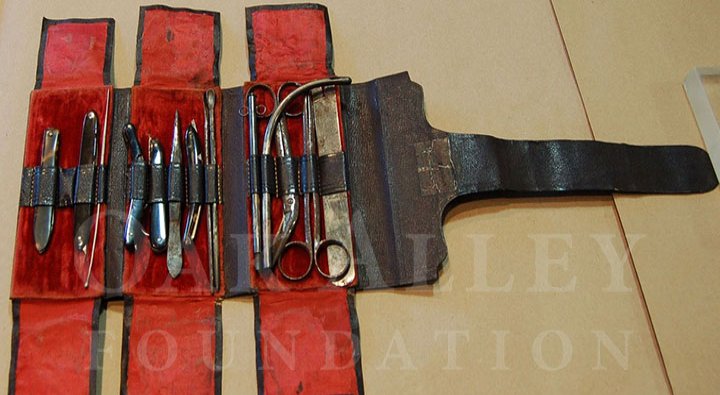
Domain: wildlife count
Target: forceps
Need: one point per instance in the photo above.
(291, 205)
(313, 245)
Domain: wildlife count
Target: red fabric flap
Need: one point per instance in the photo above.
(73, 77)
(53, 347)
(308, 343)
(60, 271)
(74, 53)
(172, 347)
(178, 47)
(306, 331)
(289, 42)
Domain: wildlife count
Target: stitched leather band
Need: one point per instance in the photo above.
(175, 183)
(333, 171)
(61, 187)
(195, 183)
(287, 175)
(157, 183)
(212, 185)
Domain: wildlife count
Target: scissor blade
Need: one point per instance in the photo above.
(44, 215)
(88, 152)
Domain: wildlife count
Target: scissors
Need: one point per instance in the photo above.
(268, 248)
(313, 245)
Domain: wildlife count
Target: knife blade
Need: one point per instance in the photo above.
(88, 154)
(194, 158)
(133, 227)
(174, 247)
(44, 217)
(158, 213)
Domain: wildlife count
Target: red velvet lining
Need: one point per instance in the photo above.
(177, 48)
(153, 112)
(305, 330)
(290, 44)
(74, 54)
(55, 347)
(171, 348)
(306, 343)
(60, 272)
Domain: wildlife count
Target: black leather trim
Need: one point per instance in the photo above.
(195, 183)
(65, 187)
(254, 177)
(137, 180)
(287, 175)
(88, 186)
(46, 184)
(157, 184)
(268, 174)
(211, 184)
(85, 187)
(332, 169)
(175, 183)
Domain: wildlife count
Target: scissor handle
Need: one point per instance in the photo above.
(303, 246)
(324, 245)
(260, 114)
(279, 96)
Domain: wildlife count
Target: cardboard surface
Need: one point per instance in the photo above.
(634, 79)
(496, 68)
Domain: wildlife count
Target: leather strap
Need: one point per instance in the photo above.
(484, 164)
(63, 187)
(267, 168)
(138, 180)
(175, 180)
(195, 183)
(157, 184)
(333, 173)
(287, 174)
(213, 187)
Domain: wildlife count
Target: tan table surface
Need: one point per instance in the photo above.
(644, 322)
